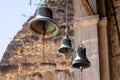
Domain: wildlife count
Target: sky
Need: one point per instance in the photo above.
(13, 14)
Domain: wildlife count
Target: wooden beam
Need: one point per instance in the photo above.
(87, 7)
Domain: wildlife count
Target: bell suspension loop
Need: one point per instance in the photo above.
(81, 45)
(46, 2)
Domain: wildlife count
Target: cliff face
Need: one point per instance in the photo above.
(24, 59)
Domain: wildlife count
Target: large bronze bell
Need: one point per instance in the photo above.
(66, 46)
(81, 59)
(43, 23)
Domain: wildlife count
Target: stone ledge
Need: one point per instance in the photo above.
(89, 20)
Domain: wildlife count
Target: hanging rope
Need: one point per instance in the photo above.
(81, 68)
(42, 3)
(81, 22)
(70, 76)
(66, 32)
(66, 29)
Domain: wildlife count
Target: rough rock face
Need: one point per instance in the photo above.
(24, 59)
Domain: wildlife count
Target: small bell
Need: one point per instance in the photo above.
(43, 23)
(66, 46)
(81, 59)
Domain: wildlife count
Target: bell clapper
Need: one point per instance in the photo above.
(81, 69)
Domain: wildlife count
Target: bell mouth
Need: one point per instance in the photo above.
(40, 25)
(65, 50)
(84, 64)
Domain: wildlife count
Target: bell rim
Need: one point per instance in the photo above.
(70, 48)
(86, 63)
(43, 19)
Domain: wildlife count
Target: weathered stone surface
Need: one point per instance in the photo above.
(114, 42)
(116, 68)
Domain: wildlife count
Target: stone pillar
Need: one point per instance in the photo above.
(103, 49)
(90, 40)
